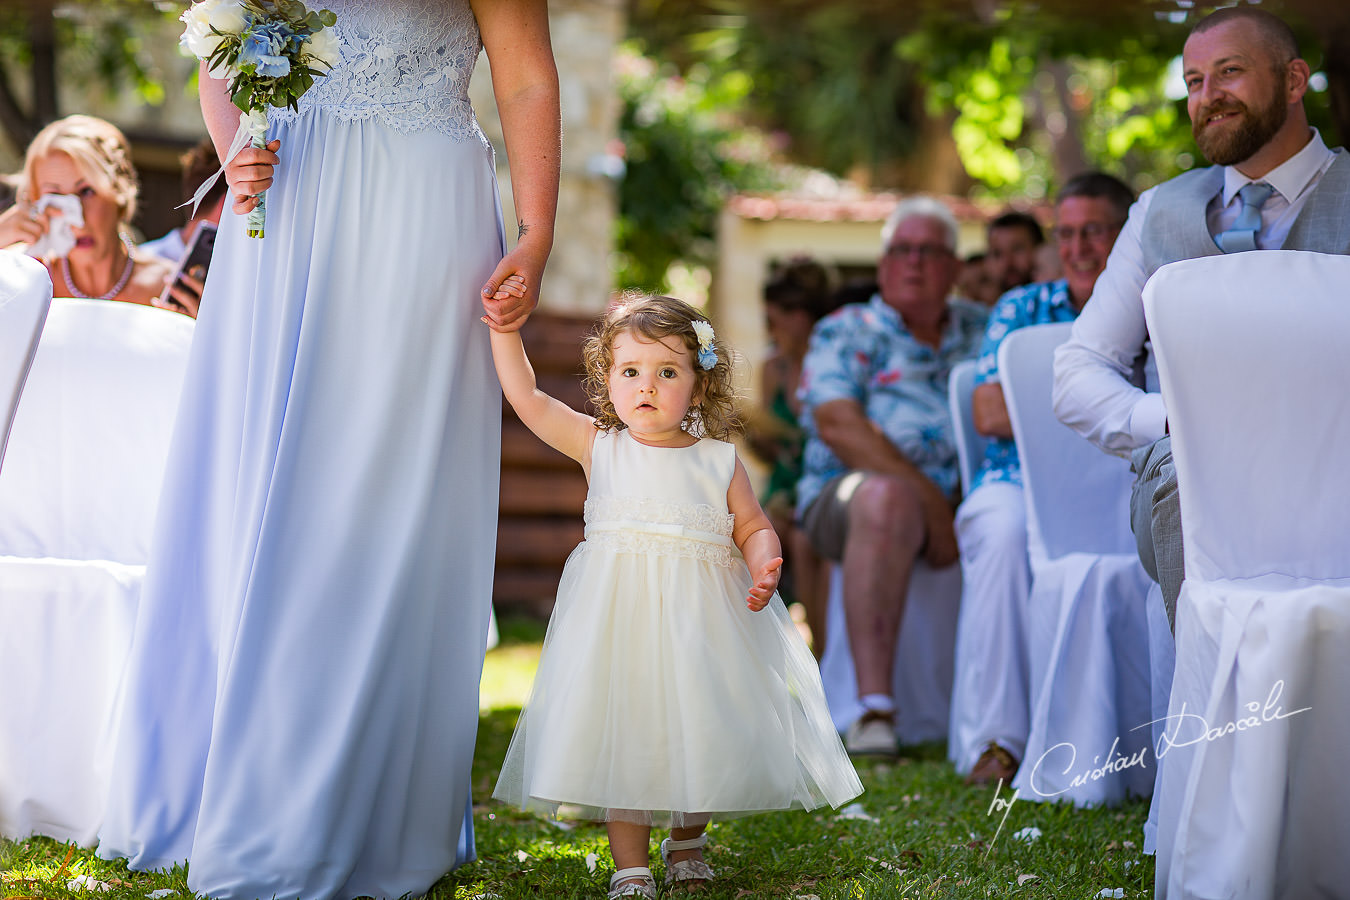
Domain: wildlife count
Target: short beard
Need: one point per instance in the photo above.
(1242, 143)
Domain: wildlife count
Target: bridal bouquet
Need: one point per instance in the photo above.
(267, 50)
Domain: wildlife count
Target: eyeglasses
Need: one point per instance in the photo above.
(1093, 232)
(925, 252)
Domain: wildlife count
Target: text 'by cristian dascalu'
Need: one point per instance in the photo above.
(1180, 729)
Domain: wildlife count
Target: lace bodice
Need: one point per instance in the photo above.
(668, 527)
(405, 62)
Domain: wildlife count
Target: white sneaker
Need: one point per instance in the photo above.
(872, 734)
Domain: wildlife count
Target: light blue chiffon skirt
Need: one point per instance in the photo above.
(299, 710)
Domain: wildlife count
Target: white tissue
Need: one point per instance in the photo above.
(59, 238)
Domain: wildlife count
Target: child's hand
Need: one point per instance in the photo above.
(513, 288)
(766, 582)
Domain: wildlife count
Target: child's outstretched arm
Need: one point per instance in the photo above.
(554, 422)
(756, 539)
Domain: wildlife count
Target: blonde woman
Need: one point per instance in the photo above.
(83, 164)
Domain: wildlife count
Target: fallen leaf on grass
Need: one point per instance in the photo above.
(591, 860)
(886, 865)
(855, 811)
(162, 892)
(521, 855)
(1023, 879)
(87, 883)
(1028, 834)
(1109, 892)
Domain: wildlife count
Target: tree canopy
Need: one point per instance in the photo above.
(1034, 90)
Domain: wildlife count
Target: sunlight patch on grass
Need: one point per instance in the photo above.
(508, 672)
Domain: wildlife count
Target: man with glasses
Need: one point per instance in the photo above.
(990, 700)
(880, 473)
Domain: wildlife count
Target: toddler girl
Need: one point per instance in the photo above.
(660, 698)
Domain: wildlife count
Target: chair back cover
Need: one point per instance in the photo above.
(91, 436)
(1077, 496)
(25, 294)
(1252, 361)
(1252, 356)
(969, 442)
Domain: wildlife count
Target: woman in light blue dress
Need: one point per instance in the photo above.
(299, 710)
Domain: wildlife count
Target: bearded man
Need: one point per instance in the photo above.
(1273, 184)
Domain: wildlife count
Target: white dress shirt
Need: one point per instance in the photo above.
(1093, 391)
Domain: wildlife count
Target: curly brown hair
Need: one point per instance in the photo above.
(654, 317)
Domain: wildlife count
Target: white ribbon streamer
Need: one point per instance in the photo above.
(251, 125)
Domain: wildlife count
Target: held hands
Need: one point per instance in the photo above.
(249, 173)
(501, 309)
(766, 582)
(508, 303)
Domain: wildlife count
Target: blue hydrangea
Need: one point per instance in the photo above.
(265, 46)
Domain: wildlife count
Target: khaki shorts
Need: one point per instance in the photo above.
(825, 521)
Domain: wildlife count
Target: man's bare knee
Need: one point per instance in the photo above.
(887, 508)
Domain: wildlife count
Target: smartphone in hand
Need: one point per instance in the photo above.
(196, 258)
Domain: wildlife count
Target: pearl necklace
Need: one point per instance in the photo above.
(116, 288)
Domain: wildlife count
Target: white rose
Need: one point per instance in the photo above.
(323, 47)
(228, 16)
(197, 38)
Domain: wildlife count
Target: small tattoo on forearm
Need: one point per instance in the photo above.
(521, 229)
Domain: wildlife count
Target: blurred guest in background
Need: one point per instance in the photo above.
(1013, 239)
(796, 296)
(75, 198)
(879, 470)
(976, 283)
(199, 164)
(990, 715)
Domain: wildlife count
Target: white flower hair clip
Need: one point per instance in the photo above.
(707, 356)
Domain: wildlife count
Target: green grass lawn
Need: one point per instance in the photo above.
(916, 832)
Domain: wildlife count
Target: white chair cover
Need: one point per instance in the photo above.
(969, 442)
(1088, 631)
(1253, 364)
(77, 499)
(924, 657)
(25, 294)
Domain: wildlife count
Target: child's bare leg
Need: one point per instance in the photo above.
(629, 843)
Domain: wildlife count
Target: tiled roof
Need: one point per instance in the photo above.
(859, 208)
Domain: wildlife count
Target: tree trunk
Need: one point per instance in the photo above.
(42, 41)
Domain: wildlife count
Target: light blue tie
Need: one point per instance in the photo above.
(1241, 235)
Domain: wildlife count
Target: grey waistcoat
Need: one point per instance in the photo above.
(1175, 227)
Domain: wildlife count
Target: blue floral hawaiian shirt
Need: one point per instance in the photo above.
(864, 352)
(1035, 304)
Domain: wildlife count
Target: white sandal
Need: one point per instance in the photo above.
(635, 881)
(685, 869)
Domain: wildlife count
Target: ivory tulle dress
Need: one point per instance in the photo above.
(660, 697)
(300, 705)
